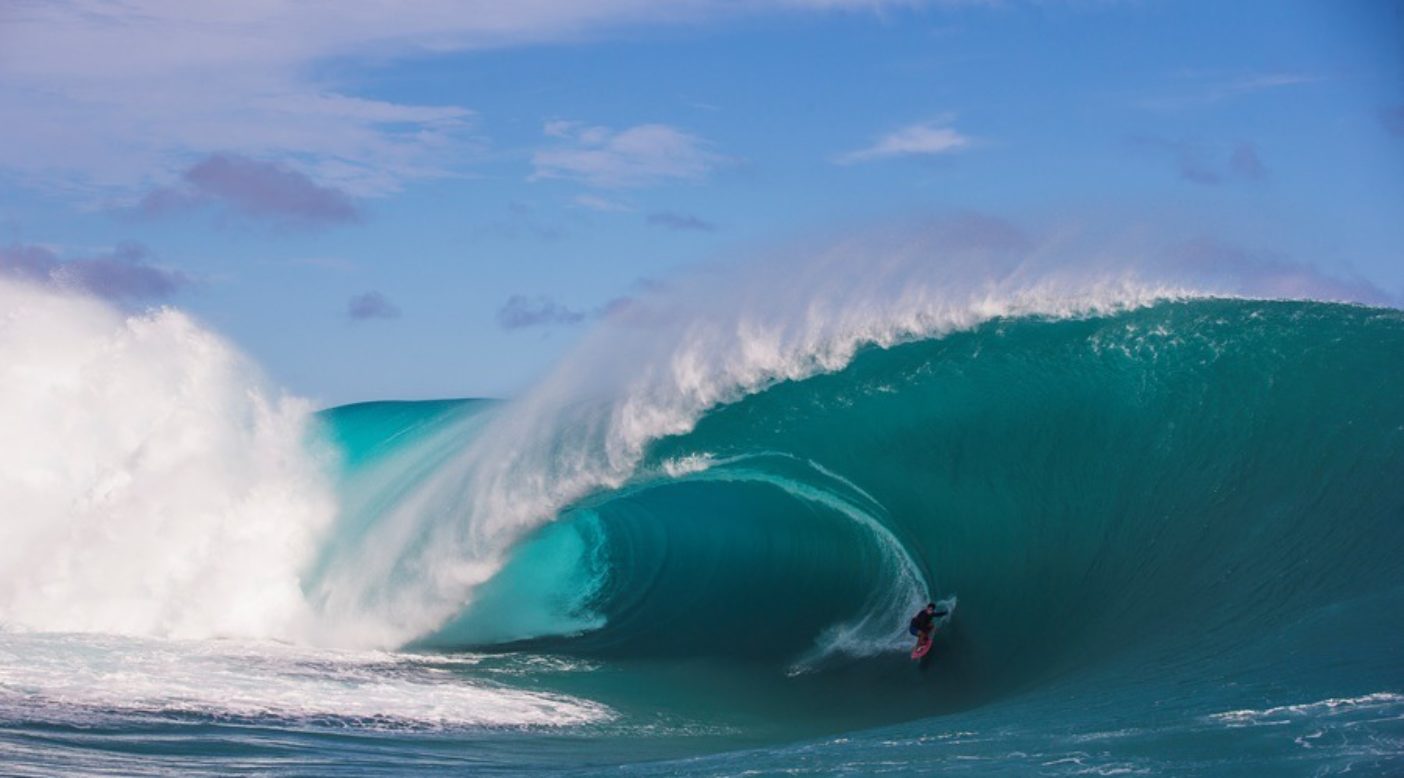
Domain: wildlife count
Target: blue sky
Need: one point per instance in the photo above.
(434, 199)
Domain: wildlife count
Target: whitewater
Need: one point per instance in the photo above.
(1163, 506)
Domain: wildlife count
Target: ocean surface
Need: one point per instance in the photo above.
(1171, 534)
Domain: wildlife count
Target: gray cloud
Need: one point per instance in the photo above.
(121, 275)
(1244, 162)
(371, 305)
(1190, 161)
(520, 312)
(680, 222)
(253, 189)
(1202, 164)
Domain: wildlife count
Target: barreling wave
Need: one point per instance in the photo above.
(1191, 478)
(651, 370)
(1169, 513)
(619, 506)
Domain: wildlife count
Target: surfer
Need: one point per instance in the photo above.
(924, 623)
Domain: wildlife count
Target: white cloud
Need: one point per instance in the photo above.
(1260, 81)
(111, 97)
(114, 97)
(1197, 89)
(924, 139)
(603, 204)
(642, 155)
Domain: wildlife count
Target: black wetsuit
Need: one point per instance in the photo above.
(923, 620)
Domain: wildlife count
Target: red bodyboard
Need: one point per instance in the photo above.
(921, 649)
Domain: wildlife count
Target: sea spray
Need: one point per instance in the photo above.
(150, 482)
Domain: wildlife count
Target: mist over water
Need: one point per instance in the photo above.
(152, 483)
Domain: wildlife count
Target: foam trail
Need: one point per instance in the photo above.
(880, 628)
(149, 482)
(1376, 702)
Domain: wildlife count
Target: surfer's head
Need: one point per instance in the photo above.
(931, 607)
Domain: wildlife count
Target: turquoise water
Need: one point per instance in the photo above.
(1171, 537)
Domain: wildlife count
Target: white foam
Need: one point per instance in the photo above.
(692, 463)
(84, 677)
(1328, 707)
(149, 482)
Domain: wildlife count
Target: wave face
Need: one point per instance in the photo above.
(1198, 485)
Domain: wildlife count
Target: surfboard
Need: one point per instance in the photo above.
(921, 649)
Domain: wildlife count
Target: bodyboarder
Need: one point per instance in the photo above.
(923, 624)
